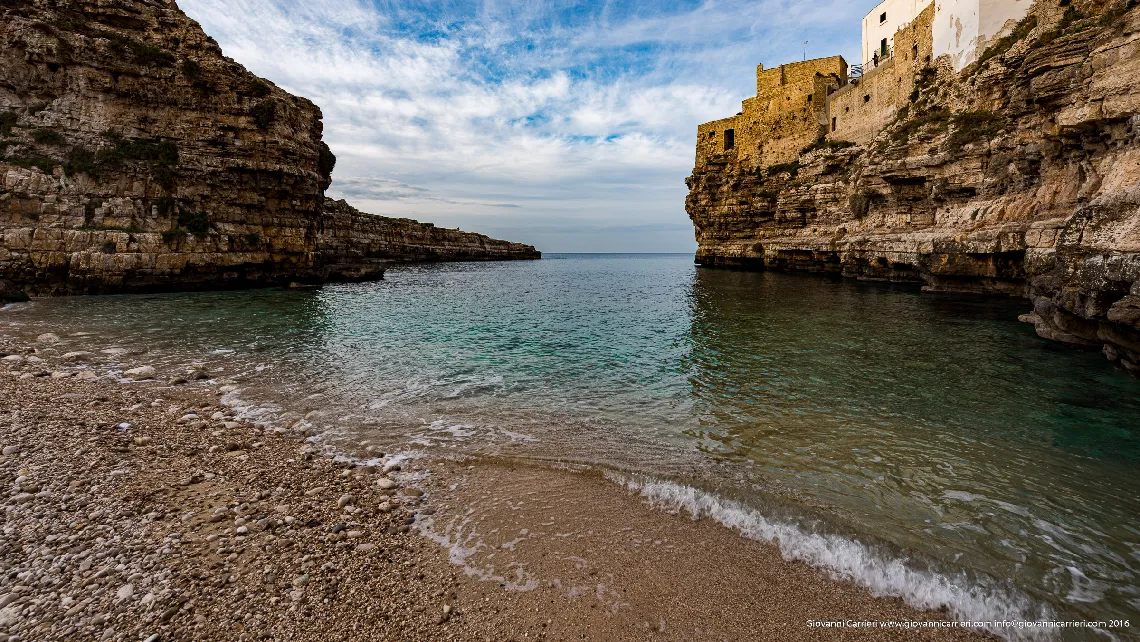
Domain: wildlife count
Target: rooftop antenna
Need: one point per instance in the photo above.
(805, 49)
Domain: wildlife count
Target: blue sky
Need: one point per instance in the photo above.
(568, 125)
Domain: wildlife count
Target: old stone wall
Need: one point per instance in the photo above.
(1017, 177)
(788, 113)
(713, 140)
(134, 155)
(865, 106)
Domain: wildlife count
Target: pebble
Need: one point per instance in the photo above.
(365, 548)
(385, 483)
(142, 372)
(11, 450)
(125, 592)
(13, 358)
(76, 356)
(344, 500)
(48, 337)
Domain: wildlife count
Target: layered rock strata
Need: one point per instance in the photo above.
(1019, 176)
(134, 156)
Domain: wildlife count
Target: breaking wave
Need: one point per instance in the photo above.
(969, 597)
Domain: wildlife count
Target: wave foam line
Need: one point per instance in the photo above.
(977, 600)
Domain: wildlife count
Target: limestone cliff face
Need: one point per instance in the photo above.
(1019, 176)
(135, 156)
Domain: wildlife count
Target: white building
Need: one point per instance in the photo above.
(962, 28)
(880, 25)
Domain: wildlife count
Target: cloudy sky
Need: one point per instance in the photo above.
(569, 125)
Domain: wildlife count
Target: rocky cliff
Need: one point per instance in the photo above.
(1019, 176)
(135, 156)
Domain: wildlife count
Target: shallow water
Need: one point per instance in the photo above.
(925, 445)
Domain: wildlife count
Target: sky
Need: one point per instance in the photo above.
(567, 125)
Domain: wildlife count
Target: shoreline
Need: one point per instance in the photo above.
(266, 538)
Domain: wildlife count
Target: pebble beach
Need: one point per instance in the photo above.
(140, 506)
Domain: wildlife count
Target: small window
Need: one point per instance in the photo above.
(729, 139)
(867, 98)
(809, 98)
(847, 110)
(834, 122)
(882, 18)
(884, 47)
(712, 134)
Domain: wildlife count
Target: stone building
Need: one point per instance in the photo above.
(862, 108)
(881, 23)
(788, 112)
(800, 103)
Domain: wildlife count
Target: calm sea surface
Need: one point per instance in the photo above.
(928, 446)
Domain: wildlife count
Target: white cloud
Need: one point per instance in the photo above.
(527, 117)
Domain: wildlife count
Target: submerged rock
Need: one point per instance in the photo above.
(10, 293)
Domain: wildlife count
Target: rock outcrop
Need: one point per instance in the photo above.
(1019, 176)
(134, 156)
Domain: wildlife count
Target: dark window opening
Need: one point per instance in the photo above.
(882, 18)
(729, 139)
(809, 98)
(712, 134)
(884, 47)
(916, 52)
(834, 122)
(846, 110)
(867, 98)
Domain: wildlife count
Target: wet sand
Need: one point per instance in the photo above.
(140, 509)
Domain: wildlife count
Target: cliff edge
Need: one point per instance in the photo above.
(134, 156)
(1019, 175)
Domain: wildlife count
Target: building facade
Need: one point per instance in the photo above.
(800, 103)
(964, 28)
(881, 24)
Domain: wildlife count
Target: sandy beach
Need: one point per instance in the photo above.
(140, 510)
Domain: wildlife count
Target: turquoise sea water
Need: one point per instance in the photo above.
(929, 446)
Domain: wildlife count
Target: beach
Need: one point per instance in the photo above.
(143, 510)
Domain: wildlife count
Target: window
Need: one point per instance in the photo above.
(884, 47)
(834, 122)
(729, 139)
(712, 134)
(809, 98)
(883, 18)
(867, 98)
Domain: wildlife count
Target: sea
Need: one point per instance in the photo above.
(927, 446)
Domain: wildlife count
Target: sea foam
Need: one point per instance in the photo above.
(973, 598)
